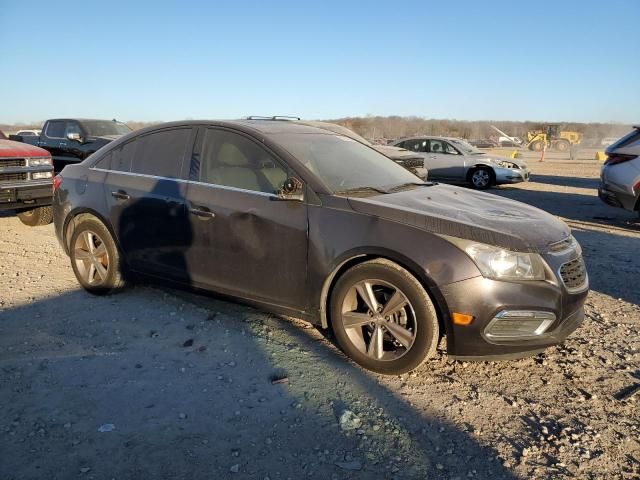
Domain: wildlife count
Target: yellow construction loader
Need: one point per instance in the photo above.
(551, 137)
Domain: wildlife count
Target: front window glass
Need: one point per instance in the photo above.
(465, 147)
(232, 160)
(344, 164)
(100, 128)
(72, 127)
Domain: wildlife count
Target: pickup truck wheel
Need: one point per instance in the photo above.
(383, 318)
(95, 258)
(36, 217)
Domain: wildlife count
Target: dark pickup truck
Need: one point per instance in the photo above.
(26, 182)
(71, 140)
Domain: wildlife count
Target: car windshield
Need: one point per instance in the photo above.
(345, 165)
(465, 147)
(2, 137)
(100, 128)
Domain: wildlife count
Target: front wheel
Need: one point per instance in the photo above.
(383, 318)
(36, 217)
(95, 258)
(481, 178)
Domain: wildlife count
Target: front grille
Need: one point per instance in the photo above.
(12, 162)
(13, 177)
(574, 274)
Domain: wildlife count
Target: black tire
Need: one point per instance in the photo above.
(425, 332)
(113, 279)
(562, 146)
(536, 146)
(481, 178)
(36, 217)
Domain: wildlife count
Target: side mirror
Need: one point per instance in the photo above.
(75, 137)
(292, 189)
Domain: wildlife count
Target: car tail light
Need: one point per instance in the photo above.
(616, 158)
(57, 181)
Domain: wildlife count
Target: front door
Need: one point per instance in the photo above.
(443, 161)
(246, 240)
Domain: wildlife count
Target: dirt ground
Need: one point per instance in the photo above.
(159, 383)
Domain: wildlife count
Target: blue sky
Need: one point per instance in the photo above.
(155, 60)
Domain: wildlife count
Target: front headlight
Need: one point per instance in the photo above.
(502, 264)
(39, 162)
(505, 164)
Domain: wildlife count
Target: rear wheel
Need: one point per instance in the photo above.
(36, 216)
(383, 318)
(95, 258)
(481, 178)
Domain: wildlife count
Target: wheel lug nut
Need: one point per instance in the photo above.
(370, 313)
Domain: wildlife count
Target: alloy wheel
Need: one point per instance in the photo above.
(481, 178)
(91, 257)
(379, 320)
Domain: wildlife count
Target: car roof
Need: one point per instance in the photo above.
(76, 119)
(431, 137)
(266, 127)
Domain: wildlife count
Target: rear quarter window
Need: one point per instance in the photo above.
(119, 159)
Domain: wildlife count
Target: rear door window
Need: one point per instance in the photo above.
(161, 153)
(55, 129)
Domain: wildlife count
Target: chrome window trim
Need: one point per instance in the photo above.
(182, 180)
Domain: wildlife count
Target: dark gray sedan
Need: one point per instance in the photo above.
(306, 222)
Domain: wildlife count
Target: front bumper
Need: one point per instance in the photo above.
(511, 175)
(25, 195)
(485, 299)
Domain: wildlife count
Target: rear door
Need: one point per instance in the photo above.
(145, 193)
(246, 241)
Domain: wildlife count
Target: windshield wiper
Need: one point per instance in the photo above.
(402, 186)
(363, 189)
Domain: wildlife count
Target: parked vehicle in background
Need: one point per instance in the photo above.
(306, 222)
(483, 143)
(403, 157)
(28, 133)
(26, 180)
(606, 141)
(452, 160)
(552, 138)
(71, 140)
(620, 174)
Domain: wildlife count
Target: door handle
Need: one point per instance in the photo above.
(203, 212)
(120, 195)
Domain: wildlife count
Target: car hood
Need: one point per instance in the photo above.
(496, 159)
(9, 148)
(462, 213)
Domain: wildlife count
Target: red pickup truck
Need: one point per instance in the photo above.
(26, 181)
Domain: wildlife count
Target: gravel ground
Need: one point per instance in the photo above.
(181, 384)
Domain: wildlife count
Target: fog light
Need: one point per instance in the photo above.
(518, 324)
(38, 175)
